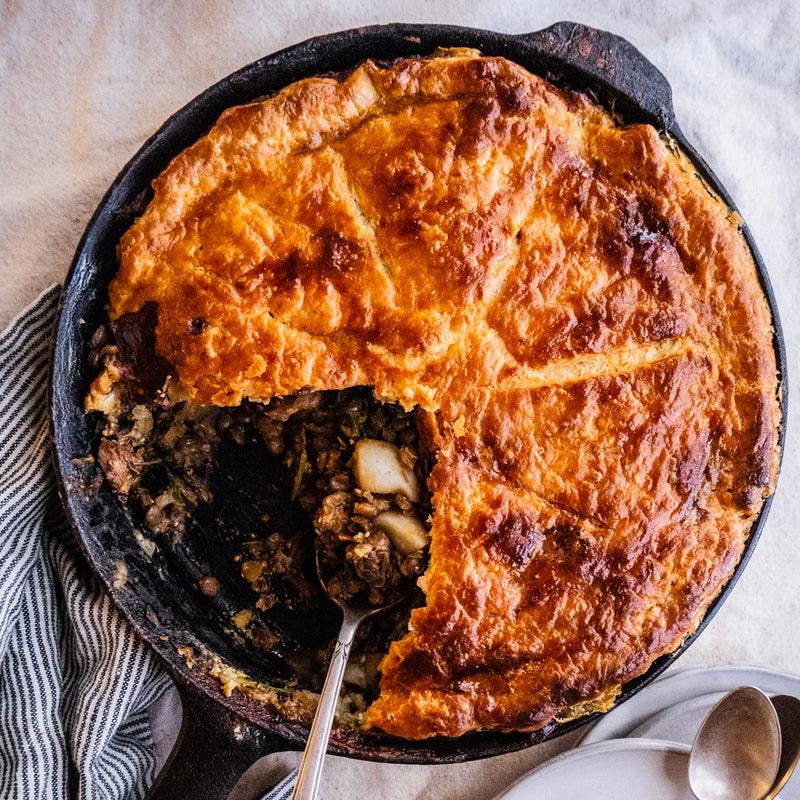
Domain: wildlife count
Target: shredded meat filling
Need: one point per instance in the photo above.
(168, 460)
(158, 451)
(321, 432)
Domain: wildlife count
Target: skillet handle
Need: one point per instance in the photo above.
(611, 61)
(213, 750)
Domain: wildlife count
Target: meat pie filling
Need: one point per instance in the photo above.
(356, 467)
(353, 466)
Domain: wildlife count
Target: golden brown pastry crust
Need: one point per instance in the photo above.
(578, 318)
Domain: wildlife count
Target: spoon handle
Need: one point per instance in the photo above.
(788, 710)
(308, 777)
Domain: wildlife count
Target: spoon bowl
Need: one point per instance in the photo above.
(736, 753)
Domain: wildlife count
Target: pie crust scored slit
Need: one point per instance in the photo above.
(575, 315)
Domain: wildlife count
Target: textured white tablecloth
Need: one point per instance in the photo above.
(83, 84)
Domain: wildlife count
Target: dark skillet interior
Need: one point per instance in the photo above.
(160, 596)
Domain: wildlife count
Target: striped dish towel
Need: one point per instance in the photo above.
(75, 681)
(283, 790)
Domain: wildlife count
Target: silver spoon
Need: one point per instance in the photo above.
(736, 753)
(354, 613)
(788, 710)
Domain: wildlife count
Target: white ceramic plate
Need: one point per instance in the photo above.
(673, 706)
(623, 769)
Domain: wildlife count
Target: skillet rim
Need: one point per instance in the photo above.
(635, 89)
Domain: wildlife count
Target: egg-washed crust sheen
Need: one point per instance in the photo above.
(577, 316)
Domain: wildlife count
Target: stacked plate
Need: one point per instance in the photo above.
(640, 751)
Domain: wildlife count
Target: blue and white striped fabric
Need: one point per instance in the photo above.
(75, 681)
(282, 790)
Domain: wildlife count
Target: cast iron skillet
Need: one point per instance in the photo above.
(221, 736)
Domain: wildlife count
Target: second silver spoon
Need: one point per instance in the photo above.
(737, 751)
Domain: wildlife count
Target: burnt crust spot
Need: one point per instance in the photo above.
(512, 538)
(196, 326)
(142, 372)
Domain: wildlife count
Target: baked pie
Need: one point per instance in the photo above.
(562, 323)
